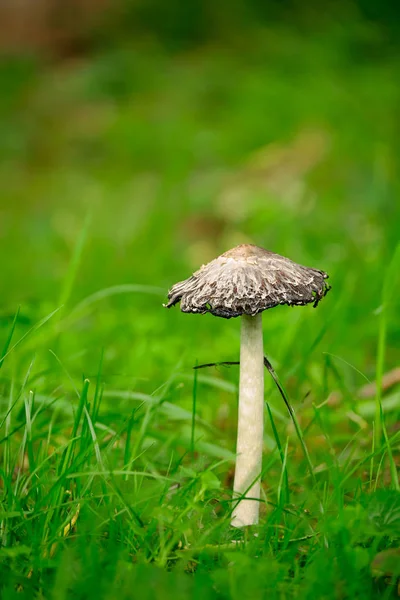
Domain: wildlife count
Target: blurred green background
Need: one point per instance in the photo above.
(139, 140)
(178, 132)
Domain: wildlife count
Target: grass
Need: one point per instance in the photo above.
(116, 456)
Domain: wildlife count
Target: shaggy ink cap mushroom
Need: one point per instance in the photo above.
(246, 281)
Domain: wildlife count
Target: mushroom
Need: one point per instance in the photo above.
(244, 282)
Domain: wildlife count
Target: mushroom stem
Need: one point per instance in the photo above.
(250, 423)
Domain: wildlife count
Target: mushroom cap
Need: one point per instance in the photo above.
(246, 281)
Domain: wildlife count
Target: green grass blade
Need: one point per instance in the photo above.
(127, 288)
(65, 462)
(194, 403)
(283, 478)
(9, 337)
(292, 413)
(281, 454)
(392, 464)
(37, 326)
(74, 264)
(98, 392)
(390, 279)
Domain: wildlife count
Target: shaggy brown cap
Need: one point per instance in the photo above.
(245, 281)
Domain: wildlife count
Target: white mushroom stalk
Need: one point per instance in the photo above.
(244, 282)
(250, 424)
